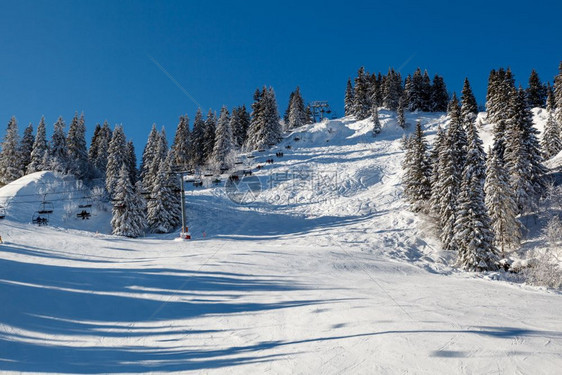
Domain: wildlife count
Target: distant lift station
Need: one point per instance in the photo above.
(320, 110)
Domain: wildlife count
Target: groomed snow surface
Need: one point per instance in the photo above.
(324, 272)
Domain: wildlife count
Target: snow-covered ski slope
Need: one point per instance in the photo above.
(324, 272)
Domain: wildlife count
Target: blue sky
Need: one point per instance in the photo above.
(99, 57)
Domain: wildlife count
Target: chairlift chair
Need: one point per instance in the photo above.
(2, 212)
(46, 208)
(38, 219)
(85, 203)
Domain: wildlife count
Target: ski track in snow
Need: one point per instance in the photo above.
(328, 278)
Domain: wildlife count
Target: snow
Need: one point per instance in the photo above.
(325, 272)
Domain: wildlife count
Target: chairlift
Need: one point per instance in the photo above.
(250, 156)
(84, 214)
(45, 208)
(208, 175)
(216, 181)
(238, 162)
(223, 169)
(85, 202)
(198, 183)
(2, 212)
(261, 150)
(38, 219)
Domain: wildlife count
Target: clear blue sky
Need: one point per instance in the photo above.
(58, 57)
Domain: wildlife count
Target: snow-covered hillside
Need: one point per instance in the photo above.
(322, 270)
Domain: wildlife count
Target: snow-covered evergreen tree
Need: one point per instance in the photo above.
(377, 127)
(78, 163)
(149, 152)
(500, 87)
(58, 152)
(438, 145)
(400, 115)
(99, 146)
(209, 136)
(426, 92)
(473, 235)
(451, 165)
(198, 139)
(392, 89)
(173, 203)
(40, 149)
(551, 142)
(11, 167)
(131, 162)
(375, 92)
(181, 147)
(536, 92)
(265, 128)
(361, 97)
(116, 159)
(159, 156)
(417, 170)
(224, 145)
(239, 123)
(158, 215)
(128, 210)
(469, 107)
(26, 146)
(558, 94)
(439, 95)
(550, 101)
(501, 205)
(414, 91)
(297, 111)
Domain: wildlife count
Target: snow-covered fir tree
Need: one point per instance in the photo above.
(375, 92)
(224, 145)
(361, 97)
(99, 146)
(392, 89)
(149, 152)
(40, 149)
(377, 127)
(78, 163)
(58, 152)
(469, 107)
(439, 95)
(239, 123)
(265, 128)
(11, 167)
(550, 101)
(536, 91)
(116, 159)
(182, 145)
(159, 156)
(414, 91)
(501, 205)
(500, 86)
(173, 203)
(129, 218)
(451, 165)
(349, 99)
(198, 140)
(296, 111)
(209, 136)
(26, 146)
(417, 170)
(473, 235)
(435, 199)
(551, 141)
(131, 162)
(400, 115)
(158, 215)
(558, 94)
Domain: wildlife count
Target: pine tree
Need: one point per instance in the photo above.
(501, 205)
(26, 146)
(361, 99)
(297, 112)
(11, 167)
(198, 140)
(392, 89)
(99, 147)
(77, 151)
(414, 92)
(309, 117)
(128, 212)
(265, 128)
(58, 157)
(426, 92)
(558, 94)
(401, 117)
(417, 167)
(536, 92)
(377, 127)
(375, 92)
(469, 107)
(286, 115)
(149, 152)
(40, 149)
(158, 216)
(181, 146)
(173, 203)
(451, 165)
(131, 162)
(239, 123)
(116, 159)
(224, 144)
(550, 102)
(500, 86)
(551, 142)
(439, 95)
(472, 230)
(159, 156)
(437, 150)
(209, 136)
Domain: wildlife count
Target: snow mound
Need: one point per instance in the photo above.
(24, 197)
